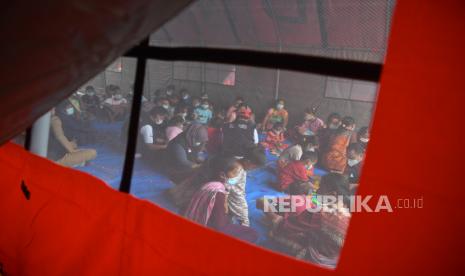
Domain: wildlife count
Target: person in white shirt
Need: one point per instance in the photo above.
(153, 129)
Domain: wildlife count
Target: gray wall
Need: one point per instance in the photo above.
(257, 85)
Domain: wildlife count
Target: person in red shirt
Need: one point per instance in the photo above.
(297, 171)
(274, 140)
(215, 135)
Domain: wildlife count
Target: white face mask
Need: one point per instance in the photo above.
(169, 92)
(308, 132)
(364, 140)
(118, 97)
(279, 106)
(183, 115)
(185, 97)
(165, 106)
(352, 162)
(205, 106)
(312, 149)
(309, 118)
(70, 111)
(91, 93)
(158, 121)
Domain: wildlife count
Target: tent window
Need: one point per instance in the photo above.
(347, 89)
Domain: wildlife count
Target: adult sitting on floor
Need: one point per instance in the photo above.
(75, 126)
(62, 148)
(183, 192)
(183, 151)
(209, 205)
(240, 138)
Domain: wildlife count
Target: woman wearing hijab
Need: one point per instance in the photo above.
(183, 151)
(209, 205)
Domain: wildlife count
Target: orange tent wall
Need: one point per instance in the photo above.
(74, 224)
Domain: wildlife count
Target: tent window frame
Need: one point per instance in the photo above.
(365, 71)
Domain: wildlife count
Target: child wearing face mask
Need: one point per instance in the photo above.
(277, 114)
(209, 205)
(169, 91)
(203, 113)
(297, 171)
(185, 97)
(274, 140)
(165, 104)
(90, 103)
(363, 137)
(116, 106)
(355, 156)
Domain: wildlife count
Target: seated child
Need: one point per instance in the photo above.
(355, 155)
(90, 103)
(363, 136)
(294, 152)
(274, 140)
(310, 125)
(182, 110)
(175, 127)
(203, 113)
(116, 106)
(297, 171)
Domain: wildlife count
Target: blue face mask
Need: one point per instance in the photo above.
(234, 180)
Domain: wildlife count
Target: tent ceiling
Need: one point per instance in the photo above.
(349, 29)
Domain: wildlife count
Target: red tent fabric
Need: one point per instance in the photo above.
(51, 47)
(73, 223)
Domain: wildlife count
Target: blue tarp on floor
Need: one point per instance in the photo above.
(151, 185)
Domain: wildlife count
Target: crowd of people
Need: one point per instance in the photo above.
(206, 150)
